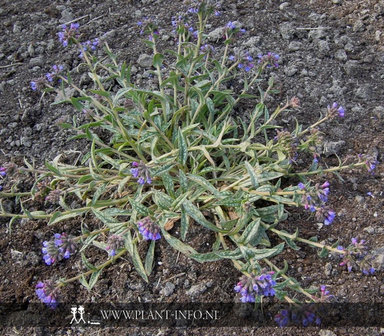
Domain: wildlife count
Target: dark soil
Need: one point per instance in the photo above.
(330, 51)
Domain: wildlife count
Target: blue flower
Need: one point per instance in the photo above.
(270, 59)
(148, 229)
(329, 217)
(141, 172)
(46, 292)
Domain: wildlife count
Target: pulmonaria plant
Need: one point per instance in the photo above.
(357, 257)
(61, 246)
(175, 157)
(255, 286)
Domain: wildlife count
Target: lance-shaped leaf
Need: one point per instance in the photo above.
(257, 254)
(206, 185)
(178, 244)
(149, 258)
(196, 214)
(139, 267)
(183, 148)
(162, 200)
(252, 175)
(251, 232)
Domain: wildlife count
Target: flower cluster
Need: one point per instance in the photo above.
(315, 202)
(335, 110)
(56, 71)
(297, 316)
(148, 26)
(246, 63)
(270, 59)
(288, 142)
(38, 84)
(68, 33)
(115, 242)
(61, 246)
(88, 46)
(356, 257)
(255, 285)
(149, 229)
(47, 293)
(3, 173)
(53, 196)
(140, 171)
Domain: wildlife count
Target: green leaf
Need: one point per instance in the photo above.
(252, 174)
(184, 224)
(183, 148)
(84, 282)
(58, 216)
(158, 60)
(257, 254)
(205, 257)
(177, 244)
(53, 169)
(195, 213)
(207, 186)
(162, 200)
(168, 184)
(290, 242)
(141, 209)
(149, 258)
(138, 263)
(86, 263)
(104, 218)
(251, 232)
(183, 181)
(162, 169)
(94, 278)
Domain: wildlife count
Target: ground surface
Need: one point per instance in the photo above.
(330, 51)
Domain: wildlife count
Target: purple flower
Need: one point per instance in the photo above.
(336, 110)
(46, 292)
(88, 45)
(270, 59)
(255, 285)
(301, 186)
(115, 242)
(329, 217)
(68, 33)
(231, 25)
(141, 172)
(282, 318)
(246, 64)
(61, 246)
(149, 229)
(3, 171)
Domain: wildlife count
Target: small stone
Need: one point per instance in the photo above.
(216, 34)
(198, 289)
(294, 46)
(351, 67)
(341, 55)
(332, 147)
(328, 269)
(359, 199)
(286, 30)
(381, 291)
(326, 332)
(323, 47)
(168, 289)
(369, 229)
(290, 70)
(36, 61)
(284, 5)
(145, 61)
(337, 2)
